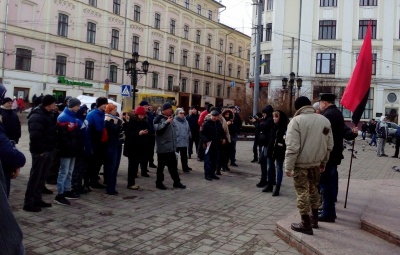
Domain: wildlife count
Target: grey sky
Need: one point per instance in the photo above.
(237, 15)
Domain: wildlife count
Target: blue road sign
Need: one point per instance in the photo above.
(126, 90)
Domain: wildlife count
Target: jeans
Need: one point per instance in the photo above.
(256, 149)
(329, 189)
(373, 139)
(232, 154)
(271, 175)
(111, 169)
(37, 177)
(65, 174)
(363, 134)
(279, 171)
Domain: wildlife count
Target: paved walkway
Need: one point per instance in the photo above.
(229, 216)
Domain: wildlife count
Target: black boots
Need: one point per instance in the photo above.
(269, 188)
(314, 218)
(262, 184)
(304, 226)
(276, 191)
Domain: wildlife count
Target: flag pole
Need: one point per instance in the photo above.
(348, 178)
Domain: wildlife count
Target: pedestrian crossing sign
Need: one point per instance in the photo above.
(126, 90)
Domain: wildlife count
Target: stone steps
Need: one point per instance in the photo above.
(346, 235)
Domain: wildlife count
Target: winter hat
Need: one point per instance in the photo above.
(143, 103)
(268, 110)
(6, 100)
(140, 110)
(329, 97)
(166, 106)
(48, 100)
(73, 102)
(301, 101)
(101, 101)
(214, 113)
(110, 107)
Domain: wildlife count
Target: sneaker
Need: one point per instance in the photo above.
(71, 195)
(134, 187)
(61, 200)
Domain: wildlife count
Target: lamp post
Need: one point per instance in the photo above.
(291, 79)
(130, 67)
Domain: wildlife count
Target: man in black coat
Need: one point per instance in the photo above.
(329, 178)
(152, 134)
(193, 119)
(234, 132)
(42, 134)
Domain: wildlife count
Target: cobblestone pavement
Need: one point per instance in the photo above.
(229, 216)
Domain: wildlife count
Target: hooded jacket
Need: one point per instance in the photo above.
(277, 147)
(266, 125)
(309, 140)
(68, 136)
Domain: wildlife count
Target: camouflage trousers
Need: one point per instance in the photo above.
(305, 183)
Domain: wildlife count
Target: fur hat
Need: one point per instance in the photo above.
(301, 101)
(143, 103)
(101, 101)
(329, 97)
(48, 100)
(72, 102)
(6, 100)
(140, 110)
(166, 106)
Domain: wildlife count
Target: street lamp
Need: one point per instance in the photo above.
(130, 67)
(299, 83)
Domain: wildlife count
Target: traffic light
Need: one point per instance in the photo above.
(136, 90)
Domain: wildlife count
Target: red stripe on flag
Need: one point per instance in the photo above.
(360, 81)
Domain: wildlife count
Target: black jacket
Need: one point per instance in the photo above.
(277, 147)
(340, 131)
(42, 130)
(193, 120)
(212, 131)
(11, 123)
(10, 157)
(136, 145)
(265, 126)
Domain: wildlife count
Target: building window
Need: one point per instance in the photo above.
(248, 55)
(267, 66)
(228, 92)
(61, 65)
(230, 70)
(230, 48)
(327, 29)
(221, 45)
(209, 40)
(114, 39)
(240, 52)
(91, 32)
(184, 80)
(23, 59)
(198, 34)
(172, 27)
(136, 13)
(93, 3)
(270, 5)
(196, 87)
(219, 91)
(89, 70)
(220, 67)
(326, 3)
(157, 21)
(363, 26)
(207, 89)
(156, 50)
(208, 65)
(113, 73)
(171, 54)
(368, 2)
(268, 32)
(135, 43)
(197, 61)
(186, 32)
(209, 14)
(198, 9)
(184, 57)
(154, 82)
(239, 69)
(117, 7)
(62, 25)
(262, 33)
(170, 82)
(326, 63)
(186, 4)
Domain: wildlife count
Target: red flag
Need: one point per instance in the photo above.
(356, 94)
